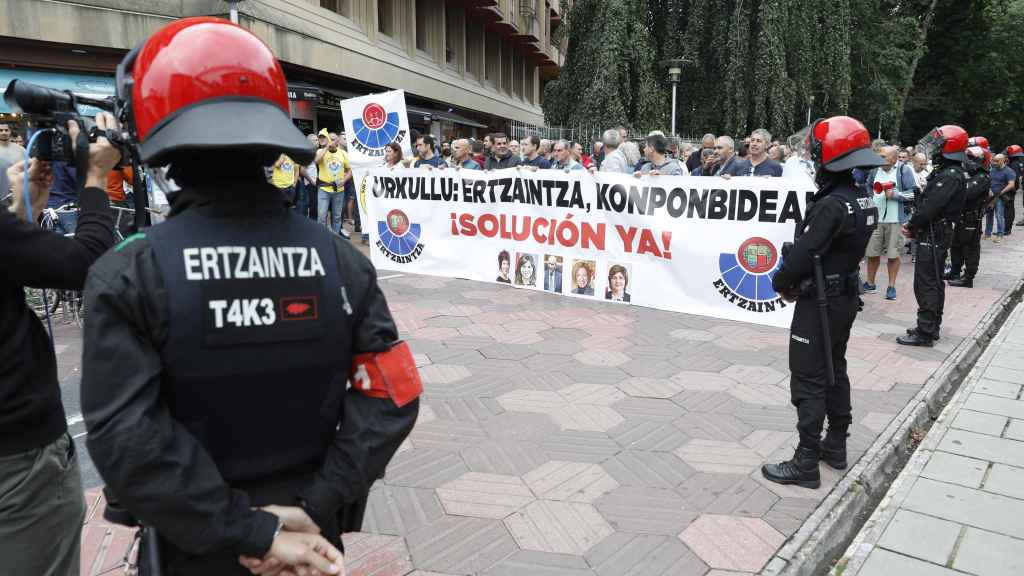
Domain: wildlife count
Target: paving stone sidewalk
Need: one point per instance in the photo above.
(957, 507)
(565, 436)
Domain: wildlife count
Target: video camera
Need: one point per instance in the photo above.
(49, 110)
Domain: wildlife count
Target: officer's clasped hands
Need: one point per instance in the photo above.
(297, 550)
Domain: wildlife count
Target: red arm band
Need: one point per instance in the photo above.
(390, 374)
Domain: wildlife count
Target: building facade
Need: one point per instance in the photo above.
(467, 66)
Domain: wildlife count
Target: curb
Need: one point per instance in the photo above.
(825, 535)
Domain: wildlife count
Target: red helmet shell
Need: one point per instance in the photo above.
(198, 59)
(842, 143)
(954, 141)
(1014, 150)
(979, 141)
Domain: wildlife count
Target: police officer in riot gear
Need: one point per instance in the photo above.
(965, 252)
(219, 343)
(940, 205)
(1015, 160)
(836, 229)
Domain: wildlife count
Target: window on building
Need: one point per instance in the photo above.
(474, 48)
(493, 55)
(423, 21)
(386, 17)
(530, 82)
(452, 36)
(517, 74)
(343, 7)
(506, 68)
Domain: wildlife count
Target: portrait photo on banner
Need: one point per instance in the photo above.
(583, 277)
(553, 273)
(617, 289)
(526, 269)
(504, 267)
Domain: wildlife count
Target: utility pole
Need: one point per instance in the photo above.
(675, 74)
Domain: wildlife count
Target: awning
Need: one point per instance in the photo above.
(443, 115)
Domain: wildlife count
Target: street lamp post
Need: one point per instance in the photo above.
(809, 106)
(675, 73)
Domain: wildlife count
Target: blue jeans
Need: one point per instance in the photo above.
(1000, 223)
(333, 201)
(302, 191)
(66, 222)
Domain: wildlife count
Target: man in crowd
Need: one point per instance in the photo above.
(1015, 162)
(532, 157)
(461, 157)
(488, 146)
(759, 164)
(41, 504)
(425, 155)
(10, 152)
(614, 160)
(502, 156)
(658, 160)
(333, 171)
(965, 252)
(580, 155)
(477, 147)
(921, 171)
(939, 205)
(547, 150)
(564, 157)
(285, 178)
(892, 184)
(513, 147)
(598, 157)
(728, 163)
(1004, 181)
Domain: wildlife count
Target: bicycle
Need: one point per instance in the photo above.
(70, 302)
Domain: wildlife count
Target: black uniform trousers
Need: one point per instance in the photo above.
(965, 252)
(929, 288)
(808, 385)
(1009, 211)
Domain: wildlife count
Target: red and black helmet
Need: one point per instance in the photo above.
(977, 157)
(1014, 151)
(979, 141)
(949, 140)
(841, 143)
(206, 84)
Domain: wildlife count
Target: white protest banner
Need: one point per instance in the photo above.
(707, 246)
(372, 122)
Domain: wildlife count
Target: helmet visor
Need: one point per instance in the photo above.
(931, 144)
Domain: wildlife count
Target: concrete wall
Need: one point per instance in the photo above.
(299, 32)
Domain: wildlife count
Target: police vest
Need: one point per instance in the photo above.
(257, 352)
(851, 237)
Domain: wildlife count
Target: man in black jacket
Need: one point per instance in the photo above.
(502, 157)
(41, 503)
(938, 207)
(965, 252)
(219, 343)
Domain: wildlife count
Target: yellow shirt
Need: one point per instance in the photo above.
(332, 168)
(286, 174)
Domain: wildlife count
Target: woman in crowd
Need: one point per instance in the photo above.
(583, 278)
(392, 155)
(618, 280)
(526, 270)
(504, 265)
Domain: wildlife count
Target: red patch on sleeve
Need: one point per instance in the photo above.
(392, 374)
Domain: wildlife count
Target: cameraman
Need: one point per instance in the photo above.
(42, 507)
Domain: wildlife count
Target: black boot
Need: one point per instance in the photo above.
(912, 331)
(950, 276)
(833, 449)
(801, 470)
(915, 338)
(962, 282)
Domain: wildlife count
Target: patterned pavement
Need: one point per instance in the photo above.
(561, 436)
